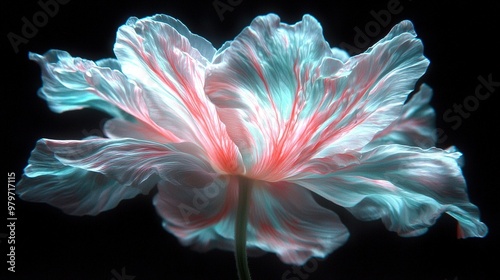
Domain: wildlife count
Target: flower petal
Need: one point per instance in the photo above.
(199, 43)
(286, 219)
(286, 98)
(369, 92)
(407, 187)
(262, 84)
(283, 218)
(64, 85)
(89, 176)
(199, 209)
(118, 128)
(162, 61)
(73, 83)
(340, 54)
(415, 126)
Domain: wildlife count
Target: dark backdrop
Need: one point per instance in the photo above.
(460, 40)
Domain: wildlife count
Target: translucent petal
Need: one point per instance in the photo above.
(407, 187)
(90, 176)
(76, 191)
(71, 83)
(203, 46)
(369, 92)
(162, 61)
(287, 220)
(283, 218)
(262, 84)
(415, 126)
(64, 85)
(287, 99)
(340, 54)
(119, 128)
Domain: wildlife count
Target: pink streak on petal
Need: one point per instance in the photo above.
(172, 72)
(127, 96)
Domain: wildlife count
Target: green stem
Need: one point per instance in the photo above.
(240, 227)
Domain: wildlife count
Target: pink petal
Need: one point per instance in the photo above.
(171, 71)
(283, 217)
(286, 98)
(263, 84)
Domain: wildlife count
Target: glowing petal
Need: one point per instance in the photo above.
(171, 71)
(93, 175)
(289, 113)
(369, 92)
(199, 209)
(283, 218)
(199, 43)
(73, 83)
(340, 54)
(415, 126)
(262, 84)
(64, 85)
(407, 187)
(314, 106)
(119, 128)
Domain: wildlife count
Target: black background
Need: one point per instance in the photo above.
(459, 39)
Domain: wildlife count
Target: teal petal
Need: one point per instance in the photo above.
(416, 125)
(408, 188)
(65, 87)
(89, 176)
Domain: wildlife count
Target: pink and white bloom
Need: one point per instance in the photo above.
(278, 108)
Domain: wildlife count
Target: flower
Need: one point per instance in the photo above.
(248, 133)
